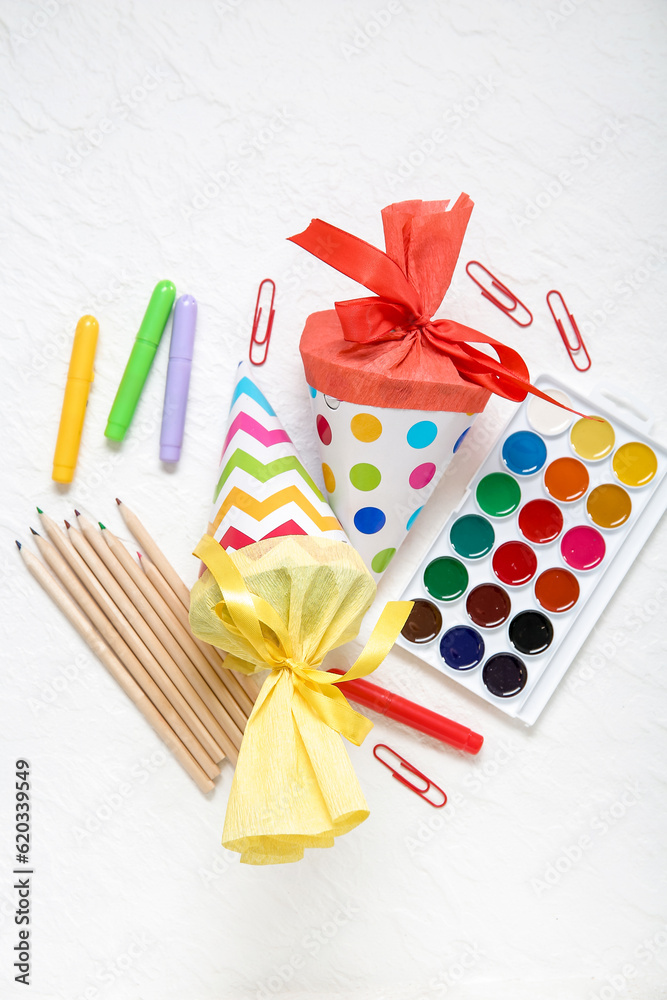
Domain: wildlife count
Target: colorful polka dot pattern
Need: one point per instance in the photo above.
(365, 476)
(352, 487)
(366, 427)
(380, 561)
(422, 434)
(324, 430)
(329, 478)
(422, 475)
(369, 520)
(412, 518)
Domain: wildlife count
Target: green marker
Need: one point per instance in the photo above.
(140, 360)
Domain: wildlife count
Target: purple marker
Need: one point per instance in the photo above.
(178, 378)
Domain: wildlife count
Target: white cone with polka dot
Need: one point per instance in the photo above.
(380, 466)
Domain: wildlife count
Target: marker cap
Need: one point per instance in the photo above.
(83, 349)
(183, 328)
(157, 312)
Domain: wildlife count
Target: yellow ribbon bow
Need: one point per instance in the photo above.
(247, 612)
(294, 786)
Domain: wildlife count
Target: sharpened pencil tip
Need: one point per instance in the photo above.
(39, 510)
(18, 544)
(139, 555)
(102, 526)
(35, 532)
(67, 524)
(77, 512)
(118, 501)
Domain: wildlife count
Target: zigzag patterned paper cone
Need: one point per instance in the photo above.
(380, 466)
(263, 490)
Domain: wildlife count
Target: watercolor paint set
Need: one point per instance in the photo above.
(525, 565)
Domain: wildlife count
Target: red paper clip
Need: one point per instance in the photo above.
(254, 339)
(573, 349)
(413, 770)
(504, 290)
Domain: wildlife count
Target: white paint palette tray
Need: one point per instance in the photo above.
(525, 565)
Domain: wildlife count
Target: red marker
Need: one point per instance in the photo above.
(410, 714)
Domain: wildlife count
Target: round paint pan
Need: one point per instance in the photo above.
(540, 521)
(462, 647)
(524, 453)
(504, 675)
(531, 633)
(547, 418)
(488, 605)
(446, 578)
(592, 438)
(498, 494)
(566, 479)
(472, 536)
(557, 590)
(514, 563)
(424, 623)
(635, 464)
(608, 506)
(583, 548)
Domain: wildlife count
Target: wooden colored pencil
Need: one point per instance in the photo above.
(243, 687)
(173, 580)
(227, 728)
(146, 647)
(62, 542)
(96, 643)
(78, 592)
(154, 552)
(180, 634)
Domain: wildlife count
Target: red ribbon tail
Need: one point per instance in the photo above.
(360, 261)
(505, 383)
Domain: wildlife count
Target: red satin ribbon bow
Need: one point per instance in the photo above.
(408, 292)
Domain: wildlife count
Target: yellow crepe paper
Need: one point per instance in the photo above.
(283, 604)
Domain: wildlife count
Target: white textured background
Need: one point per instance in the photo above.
(186, 141)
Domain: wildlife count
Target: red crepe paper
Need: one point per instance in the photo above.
(386, 350)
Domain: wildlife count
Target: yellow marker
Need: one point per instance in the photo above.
(79, 377)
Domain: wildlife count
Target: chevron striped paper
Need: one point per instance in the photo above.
(262, 489)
